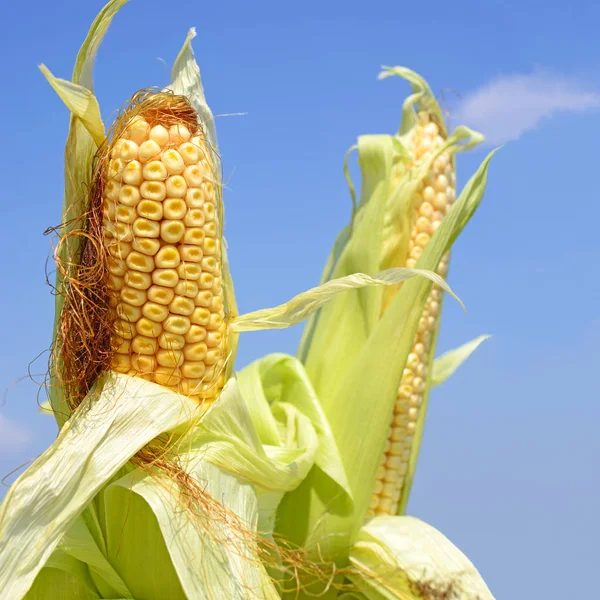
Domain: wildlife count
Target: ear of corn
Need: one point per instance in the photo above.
(431, 203)
(162, 231)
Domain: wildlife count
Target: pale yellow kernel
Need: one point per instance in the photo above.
(171, 231)
(133, 296)
(160, 295)
(419, 349)
(173, 161)
(189, 152)
(214, 338)
(148, 328)
(109, 209)
(411, 263)
(121, 362)
(149, 246)
(178, 324)
(195, 352)
(117, 266)
(167, 257)
(125, 214)
(428, 194)
(196, 333)
(191, 253)
(138, 280)
(423, 225)
(206, 281)
(187, 270)
(155, 312)
(145, 228)
(440, 202)
(169, 358)
(143, 363)
(112, 189)
(167, 376)
(155, 171)
(144, 345)
(115, 169)
(217, 303)
(121, 346)
(132, 173)
(210, 246)
(194, 236)
(397, 449)
(129, 150)
(128, 312)
(174, 208)
(412, 360)
(165, 277)
(198, 141)
(213, 356)
(150, 209)
(115, 282)
(195, 217)
(116, 149)
(138, 130)
(178, 134)
(124, 329)
(441, 183)
(216, 320)
(129, 195)
(180, 305)
(148, 150)
(159, 135)
(176, 186)
(119, 249)
(187, 288)
(415, 252)
(209, 191)
(193, 175)
(170, 341)
(153, 190)
(422, 239)
(113, 300)
(209, 264)
(140, 262)
(204, 298)
(404, 391)
(194, 198)
(209, 211)
(200, 316)
(193, 370)
(123, 232)
(426, 210)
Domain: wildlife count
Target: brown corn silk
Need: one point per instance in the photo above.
(431, 203)
(162, 231)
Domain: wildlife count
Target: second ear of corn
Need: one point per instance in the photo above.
(433, 200)
(162, 234)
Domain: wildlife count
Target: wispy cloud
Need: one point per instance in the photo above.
(13, 436)
(508, 106)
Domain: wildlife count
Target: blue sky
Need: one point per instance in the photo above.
(509, 463)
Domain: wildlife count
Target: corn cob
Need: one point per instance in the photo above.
(433, 199)
(162, 232)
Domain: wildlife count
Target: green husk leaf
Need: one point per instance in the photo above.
(446, 365)
(38, 510)
(62, 573)
(81, 102)
(186, 80)
(305, 304)
(404, 558)
(79, 152)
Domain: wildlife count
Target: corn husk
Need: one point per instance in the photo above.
(403, 558)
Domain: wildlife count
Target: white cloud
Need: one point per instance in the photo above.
(13, 436)
(508, 106)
